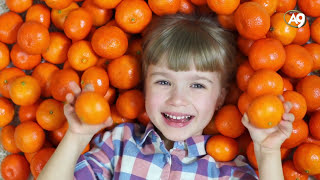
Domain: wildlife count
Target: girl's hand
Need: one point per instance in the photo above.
(75, 125)
(272, 138)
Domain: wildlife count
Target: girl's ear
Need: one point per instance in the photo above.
(221, 98)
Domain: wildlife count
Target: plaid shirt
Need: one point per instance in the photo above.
(133, 152)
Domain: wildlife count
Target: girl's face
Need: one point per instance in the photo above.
(181, 104)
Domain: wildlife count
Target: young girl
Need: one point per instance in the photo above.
(188, 62)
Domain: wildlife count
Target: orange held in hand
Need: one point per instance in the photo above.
(222, 148)
(92, 108)
(265, 111)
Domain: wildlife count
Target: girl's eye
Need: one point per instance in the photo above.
(199, 86)
(163, 82)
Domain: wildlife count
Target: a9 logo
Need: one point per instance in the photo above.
(297, 17)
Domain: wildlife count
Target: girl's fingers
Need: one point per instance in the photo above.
(75, 88)
(70, 98)
(70, 113)
(285, 127)
(287, 106)
(246, 123)
(88, 87)
(288, 117)
(281, 98)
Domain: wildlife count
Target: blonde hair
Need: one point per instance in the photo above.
(184, 39)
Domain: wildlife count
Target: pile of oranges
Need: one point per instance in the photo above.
(44, 46)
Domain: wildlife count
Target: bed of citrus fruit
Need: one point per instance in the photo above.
(45, 45)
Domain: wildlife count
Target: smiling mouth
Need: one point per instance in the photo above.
(177, 119)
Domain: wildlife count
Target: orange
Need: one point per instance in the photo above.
(228, 121)
(186, 7)
(309, 88)
(39, 13)
(287, 85)
(244, 44)
(98, 77)
(164, 7)
(100, 16)
(18, 6)
(7, 111)
(56, 136)
(29, 137)
(286, 5)
(50, 115)
(211, 128)
(28, 113)
(58, 48)
(10, 23)
(77, 24)
(114, 23)
(314, 125)
(315, 35)
(199, 2)
(86, 149)
(309, 7)
(111, 95)
(33, 37)
(285, 152)
(43, 73)
(314, 50)
(133, 15)
(306, 159)
(135, 48)
(25, 90)
(103, 63)
(303, 34)
(4, 56)
(233, 94)
(265, 111)
(269, 5)
(109, 42)
(39, 160)
(81, 55)
(59, 83)
(130, 104)
(312, 140)
(243, 142)
(280, 30)
(299, 61)
(252, 20)
(143, 118)
(251, 155)
(299, 104)
(244, 102)
(291, 173)
(15, 166)
(29, 156)
(267, 53)
(7, 75)
(223, 7)
(23, 60)
(106, 4)
(58, 16)
(227, 21)
(58, 4)
(222, 148)
(124, 72)
(117, 118)
(92, 108)
(299, 134)
(7, 139)
(265, 81)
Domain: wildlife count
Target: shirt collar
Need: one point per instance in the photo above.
(196, 145)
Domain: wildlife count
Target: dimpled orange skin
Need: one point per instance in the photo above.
(33, 37)
(92, 108)
(265, 111)
(133, 15)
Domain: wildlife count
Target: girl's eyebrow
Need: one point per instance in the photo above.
(195, 77)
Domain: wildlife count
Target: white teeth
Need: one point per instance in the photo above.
(177, 117)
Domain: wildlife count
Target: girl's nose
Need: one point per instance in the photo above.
(178, 97)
